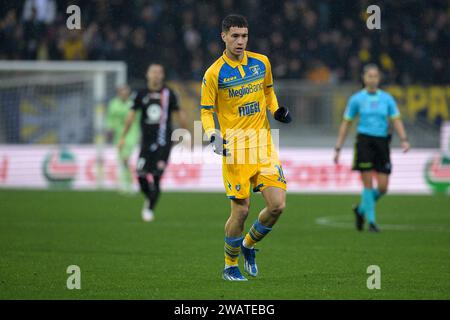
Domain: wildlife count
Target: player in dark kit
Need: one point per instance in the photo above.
(157, 103)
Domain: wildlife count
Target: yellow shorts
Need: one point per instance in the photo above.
(262, 172)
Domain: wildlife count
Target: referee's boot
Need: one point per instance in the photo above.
(373, 228)
(359, 218)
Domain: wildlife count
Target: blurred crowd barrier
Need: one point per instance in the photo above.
(65, 111)
(307, 170)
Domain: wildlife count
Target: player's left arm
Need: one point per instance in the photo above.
(351, 110)
(394, 115)
(279, 113)
(136, 105)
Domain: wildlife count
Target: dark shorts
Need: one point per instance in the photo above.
(153, 161)
(372, 153)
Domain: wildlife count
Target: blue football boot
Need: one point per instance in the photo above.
(233, 274)
(249, 261)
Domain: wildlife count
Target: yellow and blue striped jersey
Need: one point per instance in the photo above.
(239, 93)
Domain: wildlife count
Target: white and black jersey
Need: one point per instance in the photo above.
(156, 110)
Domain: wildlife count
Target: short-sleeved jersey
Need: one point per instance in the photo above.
(156, 109)
(374, 110)
(239, 93)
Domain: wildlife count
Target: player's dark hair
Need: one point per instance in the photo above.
(234, 20)
(156, 63)
(370, 66)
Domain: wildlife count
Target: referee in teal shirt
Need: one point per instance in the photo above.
(375, 108)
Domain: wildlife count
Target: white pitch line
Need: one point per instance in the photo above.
(330, 221)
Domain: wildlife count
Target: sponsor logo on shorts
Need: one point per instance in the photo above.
(280, 173)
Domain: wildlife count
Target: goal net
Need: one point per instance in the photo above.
(56, 103)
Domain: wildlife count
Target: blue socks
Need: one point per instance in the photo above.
(256, 233)
(367, 204)
(232, 249)
(376, 194)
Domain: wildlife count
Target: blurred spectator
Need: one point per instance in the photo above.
(305, 39)
(33, 32)
(319, 72)
(73, 47)
(42, 10)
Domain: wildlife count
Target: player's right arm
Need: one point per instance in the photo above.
(207, 104)
(111, 120)
(110, 115)
(350, 112)
(130, 119)
(208, 101)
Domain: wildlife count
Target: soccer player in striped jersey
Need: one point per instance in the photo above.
(238, 88)
(156, 104)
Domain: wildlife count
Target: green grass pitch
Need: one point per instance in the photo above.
(313, 252)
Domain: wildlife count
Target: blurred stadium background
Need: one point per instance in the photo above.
(55, 85)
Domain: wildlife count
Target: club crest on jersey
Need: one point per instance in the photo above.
(255, 69)
(238, 187)
(153, 114)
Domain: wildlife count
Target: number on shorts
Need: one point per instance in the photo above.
(280, 173)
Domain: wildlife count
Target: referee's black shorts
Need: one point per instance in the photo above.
(153, 160)
(372, 153)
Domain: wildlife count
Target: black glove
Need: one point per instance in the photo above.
(218, 144)
(282, 114)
